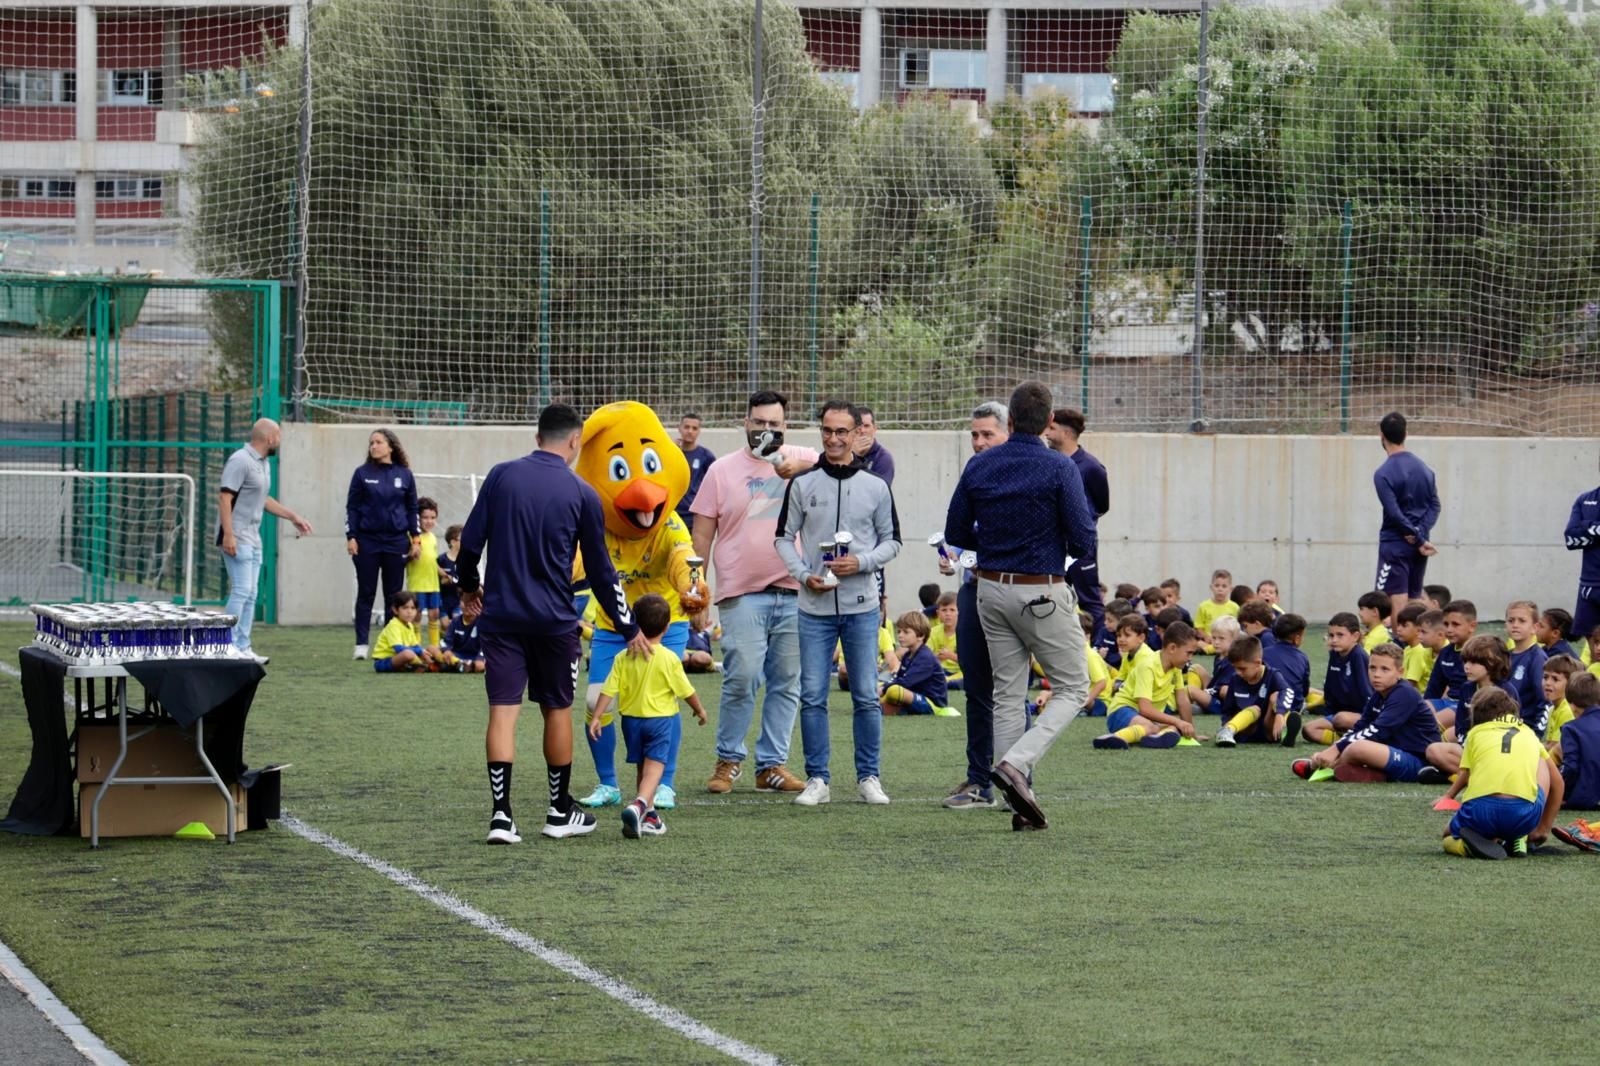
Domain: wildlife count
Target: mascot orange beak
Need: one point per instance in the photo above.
(641, 503)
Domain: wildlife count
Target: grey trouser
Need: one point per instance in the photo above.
(1049, 632)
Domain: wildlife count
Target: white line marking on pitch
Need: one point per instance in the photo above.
(568, 964)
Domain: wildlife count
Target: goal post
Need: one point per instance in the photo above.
(87, 536)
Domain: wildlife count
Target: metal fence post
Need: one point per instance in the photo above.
(544, 298)
(1198, 421)
(1085, 308)
(814, 343)
(757, 188)
(1347, 291)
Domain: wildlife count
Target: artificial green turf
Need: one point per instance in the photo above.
(1195, 905)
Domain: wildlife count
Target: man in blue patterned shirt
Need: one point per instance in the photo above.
(1022, 508)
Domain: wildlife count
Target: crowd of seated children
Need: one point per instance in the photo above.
(1219, 603)
(917, 685)
(1151, 706)
(1508, 788)
(1390, 739)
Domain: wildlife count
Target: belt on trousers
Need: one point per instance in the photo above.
(781, 591)
(1006, 578)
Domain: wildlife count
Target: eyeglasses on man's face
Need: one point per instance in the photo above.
(837, 431)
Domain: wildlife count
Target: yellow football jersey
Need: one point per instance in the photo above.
(655, 564)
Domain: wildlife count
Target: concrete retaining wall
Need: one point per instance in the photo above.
(1300, 510)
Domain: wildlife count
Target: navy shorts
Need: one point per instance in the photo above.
(648, 738)
(1400, 569)
(1403, 766)
(1500, 817)
(427, 601)
(545, 665)
(1586, 612)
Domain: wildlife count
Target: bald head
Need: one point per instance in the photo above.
(265, 434)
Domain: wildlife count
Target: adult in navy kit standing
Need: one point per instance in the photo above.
(535, 513)
(1410, 508)
(700, 459)
(381, 527)
(1022, 508)
(1066, 426)
(1583, 534)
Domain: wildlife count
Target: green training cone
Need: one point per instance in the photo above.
(195, 831)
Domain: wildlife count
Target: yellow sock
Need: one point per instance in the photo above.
(1327, 736)
(1244, 719)
(896, 694)
(433, 634)
(1455, 846)
(1131, 733)
(1314, 700)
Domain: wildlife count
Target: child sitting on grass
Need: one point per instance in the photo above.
(646, 690)
(1346, 687)
(463, 651)
(1580, 761)
(1372, 608)
(1551, 632)
(1559, 671)
(1408, 634)
(1390, 741)
(1249, 706)
(942, 639)
(1224, 631)
(697, 653)
(1448, 685)
(1151, 708)
(1094, 704)
(400, 648)
(1219, 604)
(1294, 669)
(1484, 660)
(1527, 657)
(1509, 790)
(918, 684)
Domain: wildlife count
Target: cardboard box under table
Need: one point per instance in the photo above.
(182, 758)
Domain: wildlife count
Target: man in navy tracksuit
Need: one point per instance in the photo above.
(535, 513)
(1410, 508)
(1583, 534)
(1066, 426)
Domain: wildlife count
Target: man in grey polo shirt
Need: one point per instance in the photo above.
(245, 482)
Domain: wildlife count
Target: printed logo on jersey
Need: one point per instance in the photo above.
(1520, 671)
(397, 483)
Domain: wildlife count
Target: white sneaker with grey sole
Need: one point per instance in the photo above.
(872, 792)
(815, 792)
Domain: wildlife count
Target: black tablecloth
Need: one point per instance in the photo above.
(220, 691)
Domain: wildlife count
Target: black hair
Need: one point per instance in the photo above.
(401, 598)
(1132, 622)
(1345, 620)
(1244, 649)
(557, 422)
(1257, 611)
(928, 594)
(691, 414)
(1463, 607)
(453, 533)
(765, 398)
(1411, 613)
(1179, 633)
(1437, 592)
(1242, 594)
(1167, 616)
(1374, 601)
(427, 503)
(1559, 619)
(1393, 427)
(1030, 408)
(1288, 626)
(653, 614)
(1067, 418)
(397, 454)
(840, 405)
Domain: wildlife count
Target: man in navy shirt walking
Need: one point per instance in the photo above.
(1066, 426)
(1583, 534)
(1410, 508)
(1023, 510)
(700, 459)
(536, 513)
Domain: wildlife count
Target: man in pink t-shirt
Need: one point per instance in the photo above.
(735, 524)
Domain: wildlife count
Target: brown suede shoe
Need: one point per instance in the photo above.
(723, 777)
(1014, 783)
(778, 779)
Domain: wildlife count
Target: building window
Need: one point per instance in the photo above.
(39, 188)
(130, 88)
(44, 87)
(127, 189)
(1088, 92)
(943, 68)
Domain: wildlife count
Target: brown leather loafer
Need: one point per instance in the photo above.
(1014, 783)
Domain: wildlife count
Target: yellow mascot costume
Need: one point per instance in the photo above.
(641, 474)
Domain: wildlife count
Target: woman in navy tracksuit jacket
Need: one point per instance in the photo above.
(381, 526)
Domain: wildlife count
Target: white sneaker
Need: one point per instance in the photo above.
(871, 790)
(1226, 738)
(261, 660)
(360, 652)
(502, 830)
(815, 792)
(575, 823)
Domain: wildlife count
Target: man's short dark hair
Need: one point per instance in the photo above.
(765, 398)
(1030, 408)
(557, 422)
(1067, 418)
(863, 410)
(1393, 427)
(1345, 620)
(840, 405)
(653, 614)
(690, 414)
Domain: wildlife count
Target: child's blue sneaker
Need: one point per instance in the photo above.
(632, 818)
(666, 798)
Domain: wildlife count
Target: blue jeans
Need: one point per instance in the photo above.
(244, 578)
(858, 633)
(760, 645)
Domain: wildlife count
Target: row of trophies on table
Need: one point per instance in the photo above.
(111, 634)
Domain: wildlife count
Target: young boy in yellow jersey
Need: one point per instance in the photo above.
(1559, 671)
(942, 639)
(1509, 789)
(1267, 591)
(1408, 634)
(1372, 608)
(646, 691)
(1151, 708)
(1219, 603)
(1432, 636)
(1094, 705)
(422, 573)
(400, 648)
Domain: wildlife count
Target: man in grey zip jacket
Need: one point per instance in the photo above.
(838, 495)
